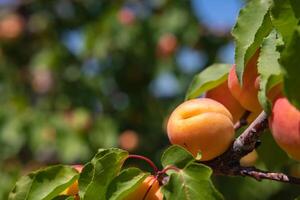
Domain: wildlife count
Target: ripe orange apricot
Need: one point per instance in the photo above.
(285, 127)
(148, 190)
(249, 159)
(73, 189)
(247, 93)
(222, 95)
(201, 125)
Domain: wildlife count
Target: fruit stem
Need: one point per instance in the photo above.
(243, 121)
(169, 168)
(161, 174)
(155, 169)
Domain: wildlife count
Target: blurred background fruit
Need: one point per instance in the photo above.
(11, 26)
(129, 140)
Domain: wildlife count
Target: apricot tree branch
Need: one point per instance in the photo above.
(228, 163)
(241, 146)
(248, 140)
(260, 175)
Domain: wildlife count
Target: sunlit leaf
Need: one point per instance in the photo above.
(176, 156)
(252, 26)
(97, 175)
(268, 69)
(192, 182)
(283, 18)
(209, 78)
(44, 184)
(125, 183)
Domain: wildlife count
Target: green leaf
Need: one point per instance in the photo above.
(248, 188)
(176, 156)
(283, 18)
(252, 26)
(193, 182)
(290, 60)
(209, 78)
(268, 69)
(97, 175)
(296, 7)
(270, 147)
(125, 183)
(44, 184)
(64, 197)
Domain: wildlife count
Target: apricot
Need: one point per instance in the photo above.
(73, 189)
(247, 93)
(129, 140)
(222, 95)
(275, 92)
(126, 16)
(11, 26)
(167, 44)
(284, 123)
(249, 159)
(201, 125)
(148, 190)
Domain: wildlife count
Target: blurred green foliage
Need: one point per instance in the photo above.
(76, 76)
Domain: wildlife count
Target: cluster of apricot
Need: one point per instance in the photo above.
(206, 125)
